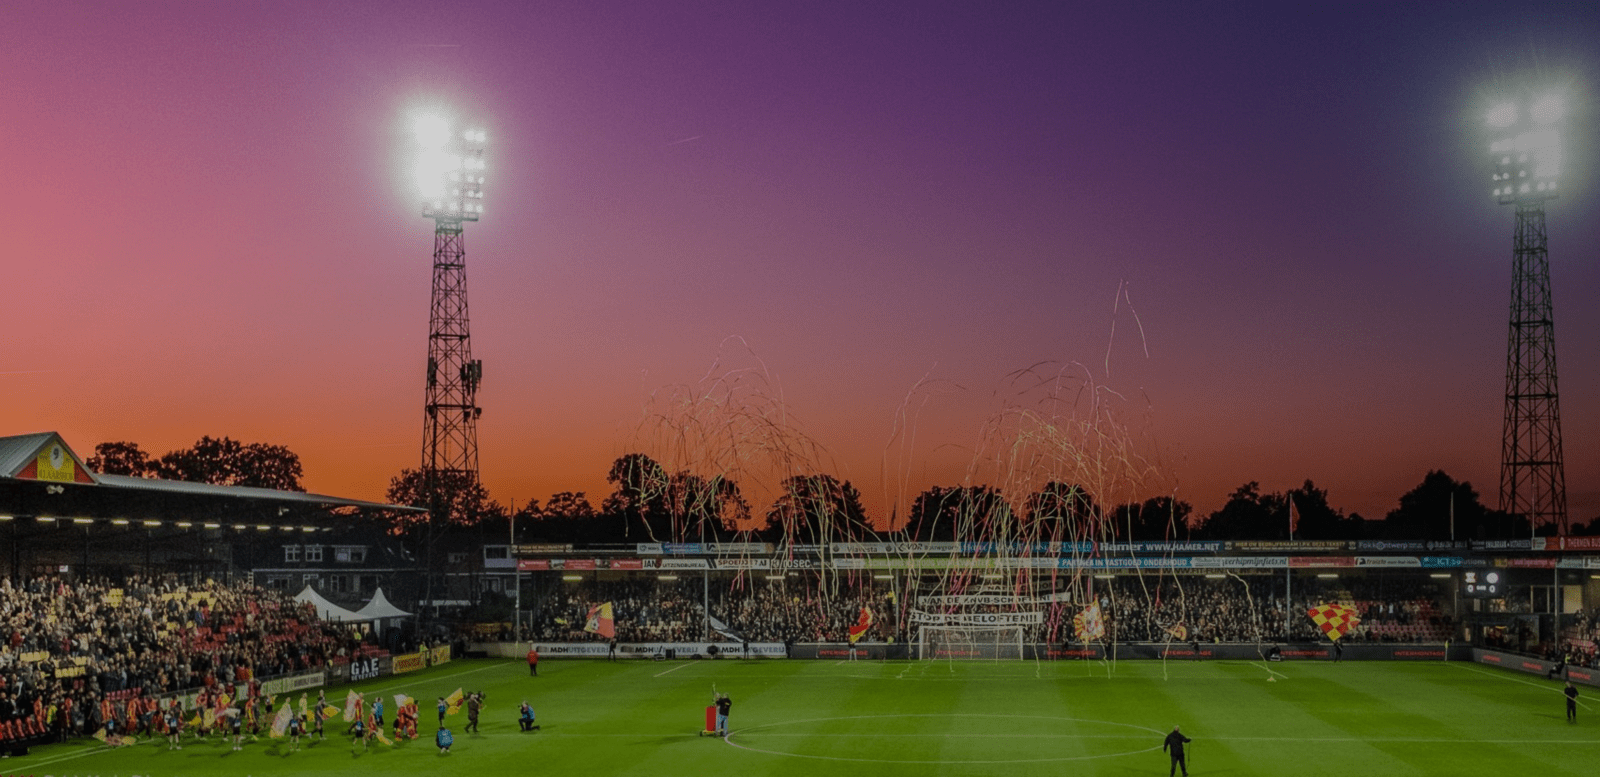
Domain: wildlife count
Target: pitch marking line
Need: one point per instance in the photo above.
(670, 671)
(1508, 678)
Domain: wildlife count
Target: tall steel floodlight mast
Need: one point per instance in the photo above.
(449, 174)
(1527, 161)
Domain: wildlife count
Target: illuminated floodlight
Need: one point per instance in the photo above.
(1527, 148)
(446, 168)
(432, 131)
(1503, 115)
(211, 526)
(1547, 110)
(119, 521)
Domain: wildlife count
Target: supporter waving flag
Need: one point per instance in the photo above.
(1089, 625)
(600, 621)
(863, 622)
(453, 701)
(352, 705)
(1335, 620)
(281, 722)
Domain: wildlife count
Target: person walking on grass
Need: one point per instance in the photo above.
(1572, 702)
(1174, 747)
(724, 705)
(474, 705)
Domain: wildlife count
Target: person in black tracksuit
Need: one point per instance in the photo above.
(1572, 702)
(1174, 747)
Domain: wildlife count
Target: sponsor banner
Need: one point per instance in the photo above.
(1127, 563)
(627, 563)
(742, 563)
(1502, 545)
(649, 650)
(543, 548)
(579, 563)
(683, 548)
(1407, 546)
(921, 618)
(1531, 665)
(1569, 563)
(282, 685)
(991, 600)
(1320, 562)
(649, 549)
(893, 548)
(439, 655)
(739, 548)
(1240, 562)
(1441, 562)
(849, 563)
(1388, 561)
(1534, 563)
(365, 669)
(1287, 546)
(781, 564)
(1161, 547)
(1580, 543)
(676, 563)
(1591, 562)
(409, 662)
(529, 565)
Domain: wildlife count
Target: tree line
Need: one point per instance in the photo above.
(648, 503)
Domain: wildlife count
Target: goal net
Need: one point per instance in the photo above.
(970, 642)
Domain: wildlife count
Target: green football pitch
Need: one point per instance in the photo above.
(932, 718)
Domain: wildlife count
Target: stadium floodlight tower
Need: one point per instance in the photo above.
(1527, 155)
(449, 175)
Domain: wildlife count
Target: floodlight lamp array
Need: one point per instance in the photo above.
(449, 171)
(1526, 151)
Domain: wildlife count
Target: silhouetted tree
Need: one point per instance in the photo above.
(1156, 519)
(1062, 512)
(639, 502)
(1427, 511)
(817, 509)
(121, 458)
(961, 513)
(227, 462)
(1248, 514)
(453, 497)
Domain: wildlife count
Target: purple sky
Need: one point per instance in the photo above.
(207, 231)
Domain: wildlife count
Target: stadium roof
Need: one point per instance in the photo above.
(40, 475)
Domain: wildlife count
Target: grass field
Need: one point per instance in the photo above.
(935, 718)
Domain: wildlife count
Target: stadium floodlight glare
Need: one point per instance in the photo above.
(1503, 115)
(1527, 149)
(448, 169)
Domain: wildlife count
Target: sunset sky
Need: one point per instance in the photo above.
(1266, 231)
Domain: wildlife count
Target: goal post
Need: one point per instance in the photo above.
(970, 642)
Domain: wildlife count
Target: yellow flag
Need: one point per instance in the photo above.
(454, 701)
(100, 733)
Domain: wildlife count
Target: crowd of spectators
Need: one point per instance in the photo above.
(1136, 608)
(67, 647)
(1580, 640)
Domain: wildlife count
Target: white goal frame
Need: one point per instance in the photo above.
(969, 643)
